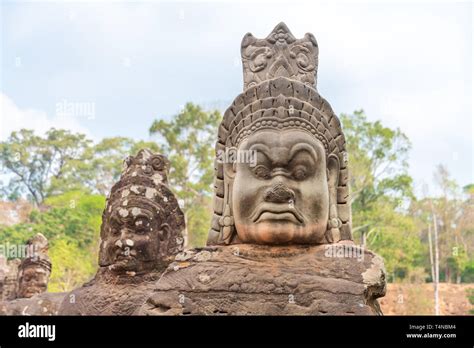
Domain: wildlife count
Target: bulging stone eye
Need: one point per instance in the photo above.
(141, 225)
(262, 172)
(148, 170)
(299, 173)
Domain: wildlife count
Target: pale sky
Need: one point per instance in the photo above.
(408, 64)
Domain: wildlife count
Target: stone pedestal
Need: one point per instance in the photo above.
(243, 279)
(46, 303)
(109, 294)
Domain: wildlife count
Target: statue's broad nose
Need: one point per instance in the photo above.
(124, 241)
(279, 193)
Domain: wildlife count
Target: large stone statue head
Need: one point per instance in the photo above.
(35, 268)
(294, 190)
(142, 222)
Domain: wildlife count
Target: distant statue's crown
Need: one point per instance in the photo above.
(280, 54)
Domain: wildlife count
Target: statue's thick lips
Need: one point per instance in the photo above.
(277, 213)
(122, 256)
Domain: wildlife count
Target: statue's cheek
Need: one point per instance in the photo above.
(147, 247)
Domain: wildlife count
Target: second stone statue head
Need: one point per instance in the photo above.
(142, 222)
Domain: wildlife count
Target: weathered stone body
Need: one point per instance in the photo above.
(271, 280)
(46, 303)
(109, 294)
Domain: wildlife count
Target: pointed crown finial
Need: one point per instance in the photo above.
(279, 54)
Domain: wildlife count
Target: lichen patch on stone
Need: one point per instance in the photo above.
(150, 193)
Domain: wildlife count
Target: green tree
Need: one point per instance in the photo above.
(71, 225)
(188, 141)
(454, 219)
(381, 189)
(378, 161)
(465, 229)
(453, 215)
(38, 166)
(105, 161)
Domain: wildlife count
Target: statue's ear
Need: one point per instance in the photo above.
(333, 234)
(164, 232)
(229, 160)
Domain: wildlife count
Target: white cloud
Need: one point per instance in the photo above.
(14, 118)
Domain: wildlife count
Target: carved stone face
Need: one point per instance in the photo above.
(133, 237)
(285, 197)
(33, 280)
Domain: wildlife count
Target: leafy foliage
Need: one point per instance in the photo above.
(71, 225)
(41, 165)
(380, 188)
(105, 160)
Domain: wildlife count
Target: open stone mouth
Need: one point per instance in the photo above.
(277, 214)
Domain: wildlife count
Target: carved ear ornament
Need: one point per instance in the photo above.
(333, 234)
(227, 224)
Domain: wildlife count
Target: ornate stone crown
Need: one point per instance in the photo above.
(40, 261)
(280, 54)
(37, 253)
